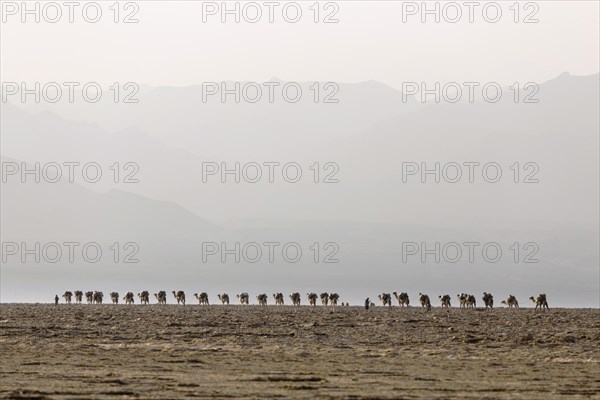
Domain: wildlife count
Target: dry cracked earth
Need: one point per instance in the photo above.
(168, 352)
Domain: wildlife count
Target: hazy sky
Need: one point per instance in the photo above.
(172, 46)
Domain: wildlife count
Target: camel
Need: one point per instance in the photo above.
(98, 296)
(144, 297)
(333, 298)
(540, 302)
(68, 296)
(312, 298)
(202, 298)
(402, 299)
(114, 296)
(295, 298)
(262, 299)
(161, 297)
(385, 299)
(371, 304)
(425, 302)
(179, 296)
(78, 296)
(89, 296)
(467, 300)
(324, 298)
(462, 300)
(278, 299)
(244, 298)
(224, 298)
(445, 300)
(488, 300)
(129, 298)
(511, 301)
(471, 301)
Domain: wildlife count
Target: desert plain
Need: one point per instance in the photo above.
(169, 352)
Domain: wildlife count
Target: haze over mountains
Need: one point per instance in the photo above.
(559, 134)
(368, 214)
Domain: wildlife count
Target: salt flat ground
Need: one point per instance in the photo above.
(192, 351)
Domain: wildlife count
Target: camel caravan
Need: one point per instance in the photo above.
(465, 300)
